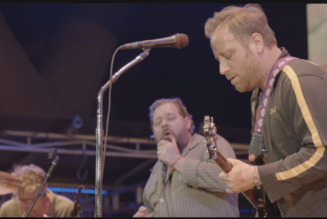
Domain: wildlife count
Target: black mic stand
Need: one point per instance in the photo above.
(52, 154)
(77, 207)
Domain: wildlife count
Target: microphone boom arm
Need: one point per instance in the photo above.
(99, 131)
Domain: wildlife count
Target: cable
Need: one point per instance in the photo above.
(164, 193)
(109, 108)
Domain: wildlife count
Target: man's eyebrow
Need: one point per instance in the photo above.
(166, 114)
(224, 51)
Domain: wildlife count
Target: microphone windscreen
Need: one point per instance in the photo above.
(181, 40)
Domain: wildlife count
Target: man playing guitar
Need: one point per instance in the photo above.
(289, 113)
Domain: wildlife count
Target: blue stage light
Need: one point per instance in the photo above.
(74, 190)
(246, 211)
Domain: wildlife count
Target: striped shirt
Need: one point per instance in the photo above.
(197, 191)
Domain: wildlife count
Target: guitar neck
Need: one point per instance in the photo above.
(222, 162)
(251, 194)
(256, 195)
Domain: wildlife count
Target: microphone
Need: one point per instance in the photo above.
(77, 207)
(178, 40)
(164, 166)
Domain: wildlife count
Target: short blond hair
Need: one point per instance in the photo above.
(31, 175)
(242, 23)
(180, 106)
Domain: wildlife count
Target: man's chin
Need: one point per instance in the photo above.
(240, 90)
(243, 89)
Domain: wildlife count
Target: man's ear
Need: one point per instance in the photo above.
(256, 42)
(188, 122)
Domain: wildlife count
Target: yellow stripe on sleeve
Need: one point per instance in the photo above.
(309, 121)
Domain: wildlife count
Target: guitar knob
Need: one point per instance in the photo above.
(251, 157)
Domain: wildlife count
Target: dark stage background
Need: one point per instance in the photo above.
(55, 57)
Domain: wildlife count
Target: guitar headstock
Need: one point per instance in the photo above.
(210, 135)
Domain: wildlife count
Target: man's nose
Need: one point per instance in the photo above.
(223, 68)
(163, 123)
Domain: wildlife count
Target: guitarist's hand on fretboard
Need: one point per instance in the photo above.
(238, 175)
(239, 178)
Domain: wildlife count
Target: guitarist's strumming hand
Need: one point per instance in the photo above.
(240, 178)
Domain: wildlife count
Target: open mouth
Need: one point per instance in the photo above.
(167, 136)
(166, 133)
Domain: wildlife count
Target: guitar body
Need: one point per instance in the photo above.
(256, 196)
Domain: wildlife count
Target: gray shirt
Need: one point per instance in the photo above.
(197, 191)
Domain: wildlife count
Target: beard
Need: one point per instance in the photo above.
(249, 74)
(181, 137)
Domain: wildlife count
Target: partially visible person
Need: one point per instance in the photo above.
(52, 205)
(190, 186)
(289, 112)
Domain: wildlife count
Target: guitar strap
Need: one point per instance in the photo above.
(257, 144)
